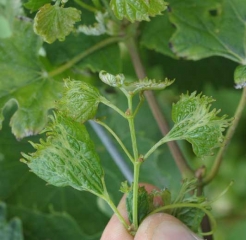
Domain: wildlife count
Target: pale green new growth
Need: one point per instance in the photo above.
(133, 87)
(138, 10)
(80, 100)
(197, 124)
(147, 84)
(54, 22)
(98, 28)
(112, 80)
(67, 157)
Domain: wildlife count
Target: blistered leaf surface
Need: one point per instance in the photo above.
(197, 124)
(67, 157)
(23, 81)
(54, 22)
(80, 100)
(209, 28)
(137, 10)
(11, 230)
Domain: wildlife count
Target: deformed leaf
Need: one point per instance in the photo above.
(98, 28)
(133, 87)
(22, 81)
(80, 100)
(54, 22)
(67, 157)
(197, 124)
(34, 5)
(11, 230)
(112, 80)
(138, 10)
(147, 84)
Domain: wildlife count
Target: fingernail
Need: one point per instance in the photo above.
(173, 231)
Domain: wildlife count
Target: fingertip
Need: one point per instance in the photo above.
(164, 226)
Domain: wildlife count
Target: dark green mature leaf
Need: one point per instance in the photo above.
(34, 5)
(23, 80)
(54, 22)
(68, 157)
(157, 33)
(107, 58)
(11, 230)
(197, 124)
(208, 28)
(80, 100)
(137, 10)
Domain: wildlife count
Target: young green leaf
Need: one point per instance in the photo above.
(67, 157)
(98, 28)
(112, 80)
(144, 204)
(133, 87)
(11, 230)
(54, 22)
(34, 5)
(240, 77)
(80, 100)
(137, 10)
(147, 84)
(191, 216)
(197, 124)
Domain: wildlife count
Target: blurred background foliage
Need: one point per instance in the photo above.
(47, 212)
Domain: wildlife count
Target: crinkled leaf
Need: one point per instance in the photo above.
(240, 76)
(21, 81)
(34, 5)
(137, 10)
(67, 157)
(191, 216)
(144, 204)
(80, 100)
(112, 80)
(133, 87)
(54, 22)
(11, 230)
(147, 84)
(98, 28)
(197, 124)
(209, 28)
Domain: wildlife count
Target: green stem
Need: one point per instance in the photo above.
(116, 138)
(84, 54)
(109, 104)
(86, 6)
(137, 164)
(179, 159)
(116, 211)
(109, 10)
(139, 104)
(158, 144)
(229, 134)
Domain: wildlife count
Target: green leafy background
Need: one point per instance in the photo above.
(191, 30)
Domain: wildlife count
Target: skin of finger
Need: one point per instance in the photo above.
(148, 227)
(115, 229)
